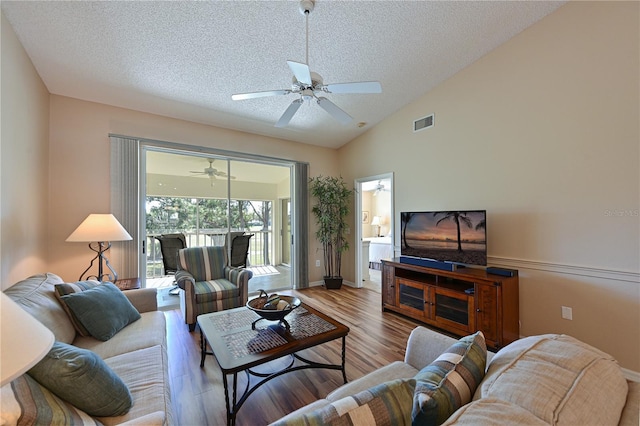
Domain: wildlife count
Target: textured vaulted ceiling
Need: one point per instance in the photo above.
(185, 59)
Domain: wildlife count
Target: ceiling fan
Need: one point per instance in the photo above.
(212, 172)
(379, 188)
(309, 85)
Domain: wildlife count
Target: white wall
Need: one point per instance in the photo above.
(543, 133)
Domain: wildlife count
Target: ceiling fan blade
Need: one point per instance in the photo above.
(301, 72)
(253, 95)
(289, 113)
(360, 87)
(335, 112)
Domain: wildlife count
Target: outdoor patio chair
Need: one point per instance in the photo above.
(170, 244)
(240, 250)
(208, 284)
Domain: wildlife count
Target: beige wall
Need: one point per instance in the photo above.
(543, 132)
(23, 163)
(80, 164)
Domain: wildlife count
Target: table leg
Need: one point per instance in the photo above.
(232, 410)
(226, 398)
(344, 358)
(203, 348)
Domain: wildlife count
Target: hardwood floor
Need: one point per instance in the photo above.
(375, 339)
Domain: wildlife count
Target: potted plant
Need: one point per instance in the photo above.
(331, 209)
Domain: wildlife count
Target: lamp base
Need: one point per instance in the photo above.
(100, 248)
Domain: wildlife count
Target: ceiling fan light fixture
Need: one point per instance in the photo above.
(308, 84)
(307, 94)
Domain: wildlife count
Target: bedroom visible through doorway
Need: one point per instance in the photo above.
(375, 233)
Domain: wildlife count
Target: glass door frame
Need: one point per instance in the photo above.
(228, 157)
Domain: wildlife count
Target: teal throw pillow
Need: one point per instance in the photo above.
(70, 288)
(102, 310)
(450, 381)
(83, 379)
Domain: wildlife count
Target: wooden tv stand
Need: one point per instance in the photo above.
(460, 302)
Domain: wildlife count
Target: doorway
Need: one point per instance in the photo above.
(375, 216)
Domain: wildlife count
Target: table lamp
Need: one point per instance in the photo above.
(24, 340)
(99, 230)
(376, 222)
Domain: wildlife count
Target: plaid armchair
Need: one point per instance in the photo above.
(208, 284)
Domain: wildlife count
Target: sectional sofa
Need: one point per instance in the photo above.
(537, 380)
(132, 356)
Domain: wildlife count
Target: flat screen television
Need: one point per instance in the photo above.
(446, 236)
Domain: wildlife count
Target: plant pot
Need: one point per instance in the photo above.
(333, 283)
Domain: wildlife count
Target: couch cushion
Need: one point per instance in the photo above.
(209, 291)
(559, 379)
(71, 288)
(27, 401)
(150, 330)
(492, 412)
(395, 370)
(102, 310)
(82, 378)
(385, 404)
(36, 296)
(203, 263)
(449, 381)
(146, 374)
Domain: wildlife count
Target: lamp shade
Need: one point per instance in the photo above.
(376, 221)
(24, 340)
(99, 228)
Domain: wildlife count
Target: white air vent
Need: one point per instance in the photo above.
(423, 123)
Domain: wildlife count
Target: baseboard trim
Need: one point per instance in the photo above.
(634, 376)
(558, 268)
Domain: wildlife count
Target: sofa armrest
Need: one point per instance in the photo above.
(182, 277)
(240, 278)
(143, 299)
(424, 346)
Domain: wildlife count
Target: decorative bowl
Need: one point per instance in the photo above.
(272, 314)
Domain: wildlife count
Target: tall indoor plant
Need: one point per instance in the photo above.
(331, 209)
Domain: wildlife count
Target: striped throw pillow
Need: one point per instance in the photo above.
(450, 381)
(387, 404)
(24, 401)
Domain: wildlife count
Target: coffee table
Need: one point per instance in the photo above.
(237, 347)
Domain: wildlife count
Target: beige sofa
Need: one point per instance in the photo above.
(137, 353)
(548, 379)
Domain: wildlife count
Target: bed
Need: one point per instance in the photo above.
(379, 248)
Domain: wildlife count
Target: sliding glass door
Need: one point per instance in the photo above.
(210, 199)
